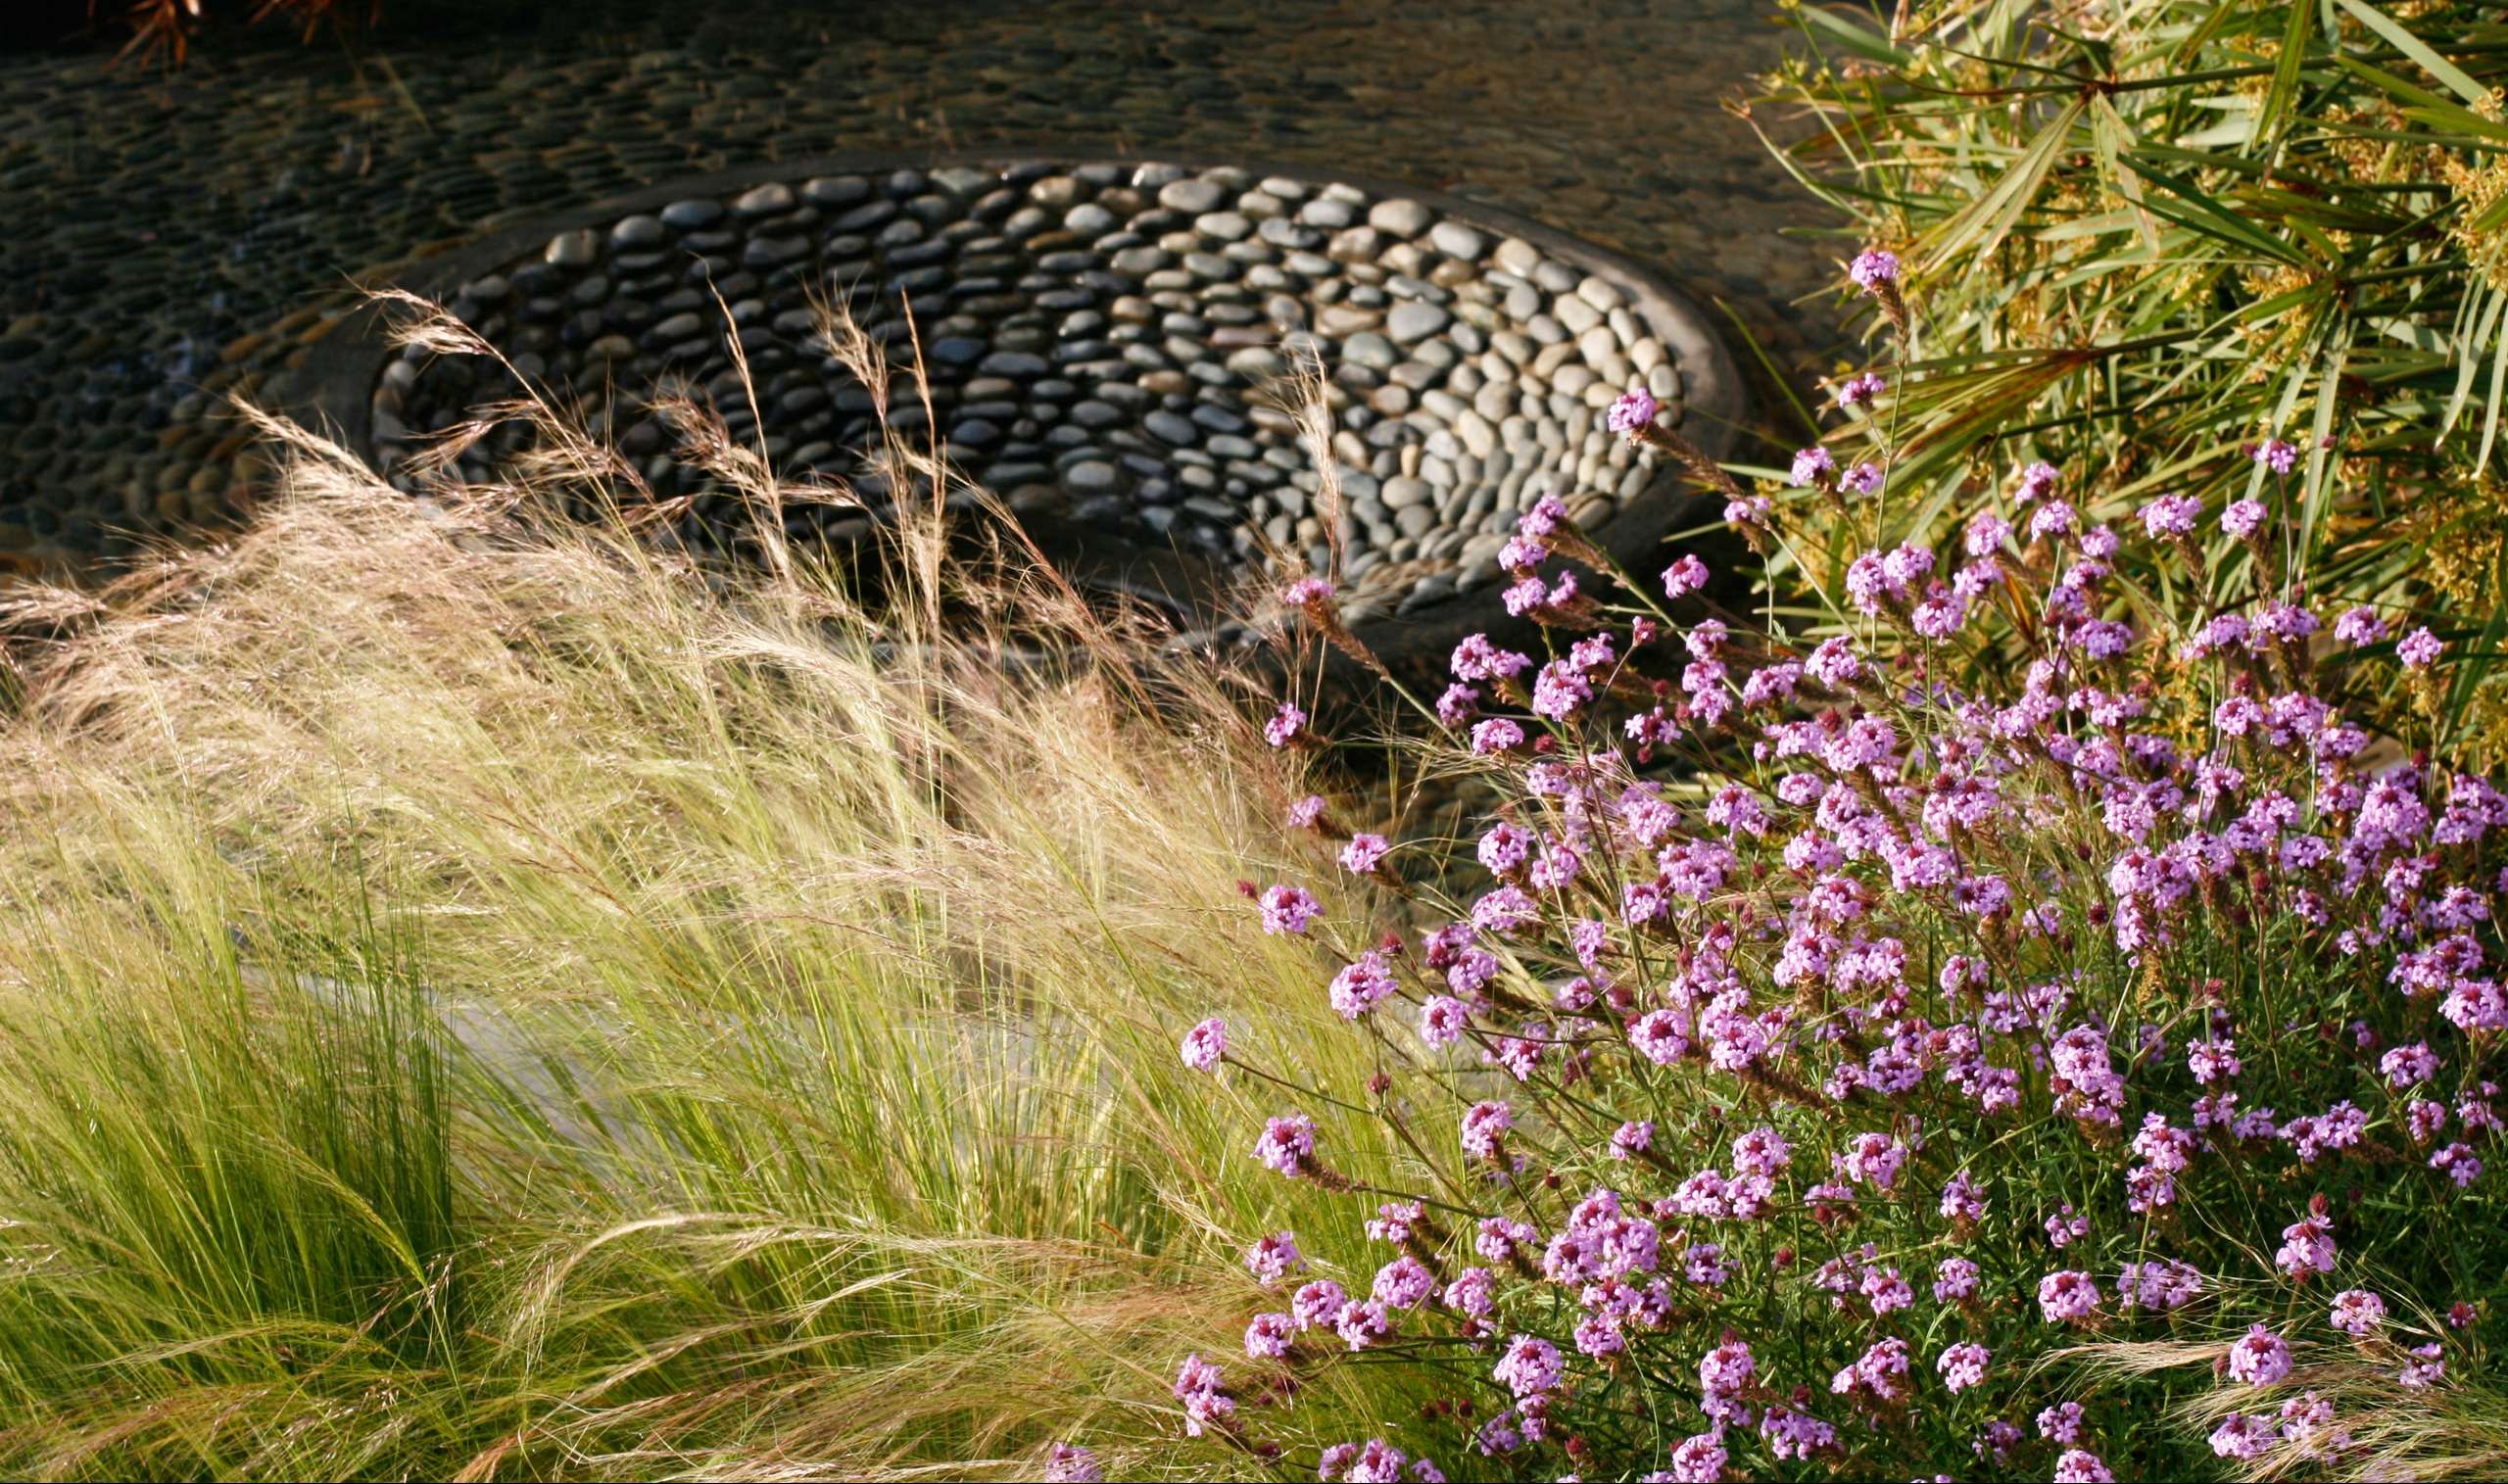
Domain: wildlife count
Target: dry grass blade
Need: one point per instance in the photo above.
(485, 994)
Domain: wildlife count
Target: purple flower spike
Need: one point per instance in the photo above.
(1872, 268)
(1633, 413)
(1205, 1044)
(2420, 650)
(1811, 465)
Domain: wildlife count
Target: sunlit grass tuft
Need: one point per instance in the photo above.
(483, 995)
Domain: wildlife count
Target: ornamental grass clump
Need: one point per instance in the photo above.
(1844, 1055)
(484, 994)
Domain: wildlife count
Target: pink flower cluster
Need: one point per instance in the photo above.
(1912, 966)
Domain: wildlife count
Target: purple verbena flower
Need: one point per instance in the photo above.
(1198, 1387)
(2308, 1247)
(1269, 1336)
(1811, 465)
(1274, 1257)
(1361, 855)
(1286, 1144)
(1872, 268)
(2360, 626)
(1496, 734)
(1484, 1123)
(1963, 1365)
(1633, 412)
(2358, 1312)
(1289, 909)
(1476, 658)
(2063, 1297)
(1206, 1044)
(2243, 1435)
(2172, 516)
(1860, 390)
(2259, 1357)
(1530, 1367)
(1699, 1459)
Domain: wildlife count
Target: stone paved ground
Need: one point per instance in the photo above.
(174, 241)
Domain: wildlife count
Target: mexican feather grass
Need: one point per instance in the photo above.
(484, 995)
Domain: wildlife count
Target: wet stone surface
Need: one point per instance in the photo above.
(182, 241)
(1107, 343)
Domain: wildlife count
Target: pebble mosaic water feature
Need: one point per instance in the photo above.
(1111, 347)
(191, 239)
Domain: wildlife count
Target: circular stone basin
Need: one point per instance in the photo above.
(1108, 346)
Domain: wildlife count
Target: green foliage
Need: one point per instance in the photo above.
(2140, 242)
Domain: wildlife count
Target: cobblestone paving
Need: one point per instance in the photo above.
(178, 241)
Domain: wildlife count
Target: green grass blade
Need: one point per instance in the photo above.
(2420, 51)
(1985, 224)
(2272, 117)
